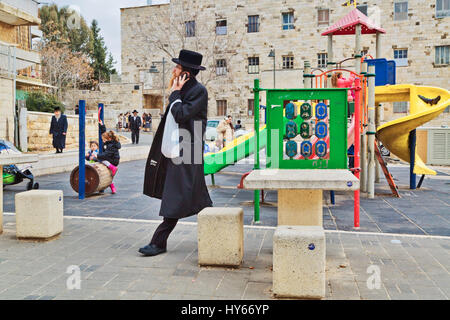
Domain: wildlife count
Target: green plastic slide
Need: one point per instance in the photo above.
(240, 148)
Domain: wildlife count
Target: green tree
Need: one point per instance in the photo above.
(65, 27)
(102, 68)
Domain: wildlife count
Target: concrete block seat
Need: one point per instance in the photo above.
(221, 237)
(39, 214)
(299, 262)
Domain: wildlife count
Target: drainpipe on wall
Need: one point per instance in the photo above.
(16, 125)
(23, 130)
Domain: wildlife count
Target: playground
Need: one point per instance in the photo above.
(311, 168)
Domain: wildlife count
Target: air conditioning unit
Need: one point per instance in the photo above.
(438, 152)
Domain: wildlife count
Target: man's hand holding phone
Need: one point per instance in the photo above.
(180, 81)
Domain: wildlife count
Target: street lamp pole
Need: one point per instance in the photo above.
(272, 55)
(153, 69)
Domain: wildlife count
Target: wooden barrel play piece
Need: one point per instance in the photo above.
(97, 178)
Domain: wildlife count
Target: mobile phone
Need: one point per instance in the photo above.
(188, 75)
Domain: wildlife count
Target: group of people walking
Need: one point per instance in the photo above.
(133, 123)
(124, 123)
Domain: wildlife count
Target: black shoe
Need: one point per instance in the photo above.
(151, 250)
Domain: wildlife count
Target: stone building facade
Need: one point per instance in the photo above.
(19, 61)
(236, 37)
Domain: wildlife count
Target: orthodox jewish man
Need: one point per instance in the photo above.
(135, 127)
(58, 128)
(179, 181)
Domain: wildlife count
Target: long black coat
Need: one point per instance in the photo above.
(57, 128)
(135, 125)
(180, 182)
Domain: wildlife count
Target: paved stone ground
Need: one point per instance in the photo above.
(411, 267)
(145, 138)
(425, 211)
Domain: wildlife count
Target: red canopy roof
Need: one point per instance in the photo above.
(347, 25)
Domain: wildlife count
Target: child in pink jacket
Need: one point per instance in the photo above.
(338, 81)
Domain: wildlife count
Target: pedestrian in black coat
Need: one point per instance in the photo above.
(179, 182)
(135, 127)
(58, 128)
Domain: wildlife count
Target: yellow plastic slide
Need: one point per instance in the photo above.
(426, 103)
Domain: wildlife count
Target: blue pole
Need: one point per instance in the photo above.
(82, 151)
(333, 201)
(412, 159)
(101, 110)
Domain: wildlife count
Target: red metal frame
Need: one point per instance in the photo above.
(241, 183)
(361, 116)
(356, 146)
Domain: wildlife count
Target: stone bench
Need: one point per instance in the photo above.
(221, 237)
(299, 262)
(39, 214)
(300, 192)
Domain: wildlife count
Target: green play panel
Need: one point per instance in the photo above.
(306, 128)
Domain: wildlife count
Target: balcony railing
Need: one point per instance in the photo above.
(28, 6)
(20, 62)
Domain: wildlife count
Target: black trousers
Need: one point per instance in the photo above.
(162, 232)
(135, 136)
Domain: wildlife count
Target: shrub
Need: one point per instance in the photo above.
(43, 102)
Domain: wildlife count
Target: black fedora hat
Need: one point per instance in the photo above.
(190, 59)
(135, 111)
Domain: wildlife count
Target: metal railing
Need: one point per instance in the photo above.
(8, 61)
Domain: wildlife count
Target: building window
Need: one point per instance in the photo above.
(253, 65)
(401, 57)
(221, 67)
(253, 24)
(221, 27)
(288, 21)
(323, 17)
(190, 28)
(442, 8)
(442, 55)
(322, 60)
(363, 8)
(400, 10)
(288, 62)
(221, 107)
(250, 107)
(401, 107)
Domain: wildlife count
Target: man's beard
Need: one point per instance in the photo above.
(172, 80)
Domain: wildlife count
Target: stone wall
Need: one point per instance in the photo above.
(116, 97)
(145, 30)
(38, 126)
(6, 109)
